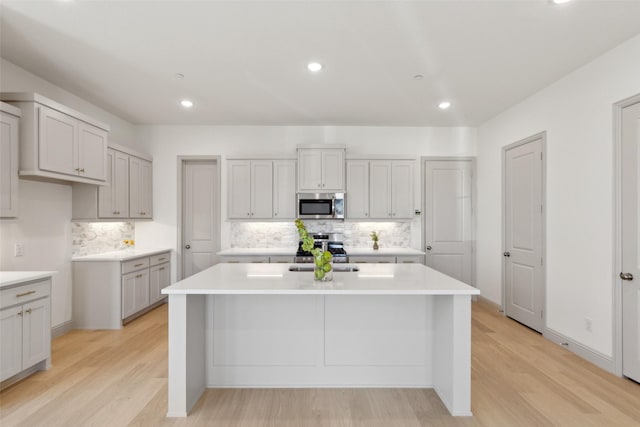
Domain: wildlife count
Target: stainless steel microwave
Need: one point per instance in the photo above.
(320, 206)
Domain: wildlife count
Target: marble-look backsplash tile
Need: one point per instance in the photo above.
(285, 235)
(90, 238)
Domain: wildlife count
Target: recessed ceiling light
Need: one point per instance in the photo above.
(418, 77)
(186, 103)
(560, 1)
(314, 67)
(444, 105)
(179, 76)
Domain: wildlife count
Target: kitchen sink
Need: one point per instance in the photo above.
(336, 268)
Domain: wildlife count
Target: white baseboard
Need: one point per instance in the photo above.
(593, 356)
(61, 329)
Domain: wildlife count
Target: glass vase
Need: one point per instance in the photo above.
(323, 267)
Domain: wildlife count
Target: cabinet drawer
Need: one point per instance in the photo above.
(372, 259)
(281, 259)
(135, 264)
(244, 259)
(160, 258)
(410, 259)
(25, 293)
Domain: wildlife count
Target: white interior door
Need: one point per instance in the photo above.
(523, 218)
(448, 212)
(200, 233)
(630, 274)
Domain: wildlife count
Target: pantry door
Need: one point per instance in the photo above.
(630, 274)
(523, 228)
(448, 211)
(200, 214)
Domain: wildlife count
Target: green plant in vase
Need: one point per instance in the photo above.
(375, 238)
(322, 257)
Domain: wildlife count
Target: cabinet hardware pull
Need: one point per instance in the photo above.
(115, 213)
(82, 170)
(161, 259)
(138, 265)
(19, 313)
(77, 169)
(28, 311)
(161, 269)
(138, 276)
(24, 294)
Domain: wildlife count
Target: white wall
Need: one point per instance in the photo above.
(576, 112)
(44, 219)
(165, 143)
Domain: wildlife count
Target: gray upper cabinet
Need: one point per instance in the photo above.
(128, 193)
(9, 128)
(321, 169)
(380, 189)
(261, 189)
(58, 143)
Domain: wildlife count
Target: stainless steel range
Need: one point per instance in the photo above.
(335, 246)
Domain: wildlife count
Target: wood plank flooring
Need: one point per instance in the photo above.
(119, 378)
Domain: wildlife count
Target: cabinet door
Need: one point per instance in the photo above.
(128, 294)
(106, 194)
(402, 189)
(284, 189)
(261, 189)
(159, 278)
(357, 189)
(10, 342)
(8, 165)
(309, 170)
(141, 292)
(380, 189)
(375, 259)
(58, 142)
(146, 189)
(120, 183)
(92, 152)
(239, 189)
(140, 190)
(333, 170)
(36, 332)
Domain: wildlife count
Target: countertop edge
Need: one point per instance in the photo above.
(29, 276)
(119, 255)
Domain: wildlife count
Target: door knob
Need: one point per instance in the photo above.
(507, 254)
(626, 276)
(429, 248)
(187, 247)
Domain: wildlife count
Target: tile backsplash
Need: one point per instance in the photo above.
(90, 238)
(285, 235)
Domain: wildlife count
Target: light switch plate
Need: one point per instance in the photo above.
(18, 249)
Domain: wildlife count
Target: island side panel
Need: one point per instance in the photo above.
(187, 322)
(452, 352)
(319, 341)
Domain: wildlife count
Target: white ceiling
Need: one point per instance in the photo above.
(245, 62)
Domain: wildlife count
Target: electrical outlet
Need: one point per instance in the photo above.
(588, 324)
(18, 249)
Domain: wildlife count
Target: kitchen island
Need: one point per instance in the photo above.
(261, 325)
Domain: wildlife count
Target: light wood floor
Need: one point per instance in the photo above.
(118, 378)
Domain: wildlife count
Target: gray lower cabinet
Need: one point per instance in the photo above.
(108, 294)
(386, 259)
(25, 329)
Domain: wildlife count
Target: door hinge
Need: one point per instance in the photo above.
(541, 211)
(541, 261)
(540, 156)
(542, 314)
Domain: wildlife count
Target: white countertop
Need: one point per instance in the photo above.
(291, 252)
(8, 278)
(372, 279)
(258, 252)
(123, 255)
